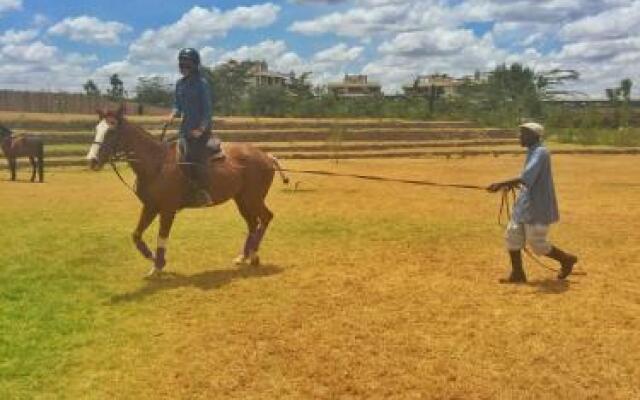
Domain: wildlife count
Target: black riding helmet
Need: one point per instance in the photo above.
(189, 54)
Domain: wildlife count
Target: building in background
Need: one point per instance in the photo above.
(434, 85)
(259, 75)
(355, 86)
(441, 85)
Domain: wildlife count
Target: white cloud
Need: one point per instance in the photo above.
(274, 52)
(358, 22)
(460, 54)
(338, 54)
(391, 40)
(437, 42)
(268, 50)
(15, 37)
(37, 65)
(198, 26)
(39, 20)
(548, 11)
(90, 30)
(8, 5)
(33, 52)
(610, 24)
(326, 65)
(426, 36)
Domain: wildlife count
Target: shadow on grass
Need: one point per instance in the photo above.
(207, 280)
(550, 286)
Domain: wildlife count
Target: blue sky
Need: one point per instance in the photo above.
(58, 45)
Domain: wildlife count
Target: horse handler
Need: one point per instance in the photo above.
(536, 207)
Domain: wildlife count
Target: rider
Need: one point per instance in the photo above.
(193, 103)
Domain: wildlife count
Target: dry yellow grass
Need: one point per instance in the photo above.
(370, 290)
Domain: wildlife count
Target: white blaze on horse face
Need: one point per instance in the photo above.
(101, 132)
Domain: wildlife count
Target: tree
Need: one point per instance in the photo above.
(514, 92)
(154, 90)
(299, 86)
(116, 91)
(272, 101)
(625, 89)
(90, 88)
(613, 95)
(228, 85)
(550, 82)
(620, 100)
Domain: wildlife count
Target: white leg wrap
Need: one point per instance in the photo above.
(162, 242)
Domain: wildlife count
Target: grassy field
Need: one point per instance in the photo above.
(368, 290)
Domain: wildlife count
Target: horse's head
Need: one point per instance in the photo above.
(4, 131)
(107, 140)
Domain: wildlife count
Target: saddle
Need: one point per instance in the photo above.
(215, 152)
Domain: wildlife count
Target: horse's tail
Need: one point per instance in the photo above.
(278, 168)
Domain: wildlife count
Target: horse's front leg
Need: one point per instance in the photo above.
(147, 216)
(166, 221)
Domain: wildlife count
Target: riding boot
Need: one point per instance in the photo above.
(201, 194)
(517, 272)
(566, 260)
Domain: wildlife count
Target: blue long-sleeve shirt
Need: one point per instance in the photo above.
(192, 102)
(537, 203)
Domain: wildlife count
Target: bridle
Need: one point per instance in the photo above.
(116, 155)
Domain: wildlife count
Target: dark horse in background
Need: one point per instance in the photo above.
(245, 175)
(15, 146)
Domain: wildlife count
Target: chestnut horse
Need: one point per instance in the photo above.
(245, 175)
(14, 146)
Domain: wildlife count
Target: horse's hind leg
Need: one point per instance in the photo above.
(258, 217)
(32, 160)
(147, 216)
(252, 224)
(265, 216)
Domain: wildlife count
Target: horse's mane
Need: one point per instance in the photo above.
(141, 130)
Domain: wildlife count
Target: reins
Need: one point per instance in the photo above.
(115, 169)
(385, 179)
(113, 161)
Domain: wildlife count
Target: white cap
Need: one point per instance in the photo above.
(534, 127)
